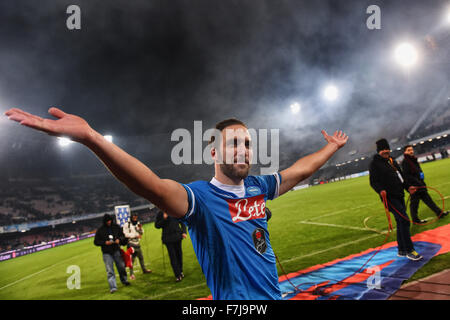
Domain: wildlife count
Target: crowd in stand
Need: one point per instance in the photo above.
(24, 201)
(20, 240)
(437, 121)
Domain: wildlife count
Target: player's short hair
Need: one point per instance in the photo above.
(406, 147)
(226, 123)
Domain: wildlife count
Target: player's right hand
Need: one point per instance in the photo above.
(67, 125)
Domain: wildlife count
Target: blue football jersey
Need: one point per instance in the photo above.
(230, 238)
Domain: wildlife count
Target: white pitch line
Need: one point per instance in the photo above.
(331, 248)
(40, 271)
(334, 225)
(340, 211)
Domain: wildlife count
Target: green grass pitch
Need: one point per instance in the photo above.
(308, 227)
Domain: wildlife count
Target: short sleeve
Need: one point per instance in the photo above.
(272, 182)
(191, 204)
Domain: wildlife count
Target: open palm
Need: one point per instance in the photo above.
(67, 124)
(339, 138)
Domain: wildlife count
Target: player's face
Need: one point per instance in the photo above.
(409, 151)
(236, 151)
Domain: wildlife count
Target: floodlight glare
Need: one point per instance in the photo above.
(295, 108)
(63, 142)
(406, 55)
(330, 93)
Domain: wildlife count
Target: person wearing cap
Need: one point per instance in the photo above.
(133, 231)
(386, 178)
(110, 237)
(414, 175)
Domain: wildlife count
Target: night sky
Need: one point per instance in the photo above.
(140, 69)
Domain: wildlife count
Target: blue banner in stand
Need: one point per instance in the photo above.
(122, 214)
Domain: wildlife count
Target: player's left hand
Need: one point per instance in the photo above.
(339, 138)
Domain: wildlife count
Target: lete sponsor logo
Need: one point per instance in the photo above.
(247, 209)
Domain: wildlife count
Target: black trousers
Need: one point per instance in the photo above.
(176, 257)
(425, 197)
(404, 241)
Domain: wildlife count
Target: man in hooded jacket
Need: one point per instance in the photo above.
(110, 237)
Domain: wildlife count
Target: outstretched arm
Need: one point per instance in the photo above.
(166, 194)
(309, 164)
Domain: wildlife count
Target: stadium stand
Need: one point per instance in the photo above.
(435, 122)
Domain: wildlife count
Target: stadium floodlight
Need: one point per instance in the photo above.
(330, 93)
(108, 138)
(295, 108)
(406, 55)
(63, 142)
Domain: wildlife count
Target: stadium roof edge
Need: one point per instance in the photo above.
(431, 136)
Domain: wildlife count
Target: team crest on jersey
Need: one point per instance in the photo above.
(259, 240)
(247, 208)
(253, 190)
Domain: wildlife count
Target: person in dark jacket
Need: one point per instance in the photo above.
(414, 176)
(173, 232)
(110, 237)
(387, 180)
